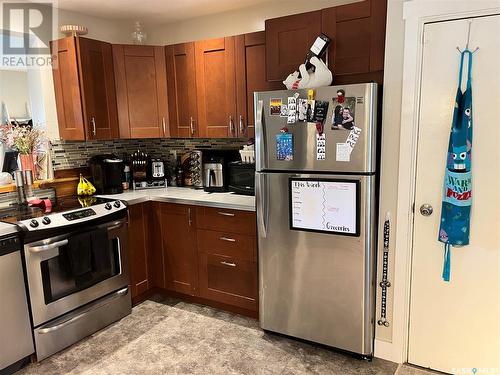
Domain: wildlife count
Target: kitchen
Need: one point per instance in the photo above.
(207, 195)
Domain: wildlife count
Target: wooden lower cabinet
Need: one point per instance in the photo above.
(138, 246)
(227, 268)
(208, 254)
(178, 242)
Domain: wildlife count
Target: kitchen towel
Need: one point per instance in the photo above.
(457, 195)
(80, 258)
(101, 258)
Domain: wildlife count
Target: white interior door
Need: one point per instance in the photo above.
(455, 326)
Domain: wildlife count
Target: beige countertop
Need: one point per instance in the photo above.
(187, 196)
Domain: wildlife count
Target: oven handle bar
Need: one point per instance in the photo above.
(120, 293)
(39, 249)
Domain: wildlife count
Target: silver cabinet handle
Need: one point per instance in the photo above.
(92, 121)
(191, 125)
(164, 127)
(230, 264)
(227, 239)
(120, 293)
(190, 221)
(225, 213)
(39, 249)
(242, 126)
(231, 125)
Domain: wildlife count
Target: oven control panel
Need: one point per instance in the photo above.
(79, 214)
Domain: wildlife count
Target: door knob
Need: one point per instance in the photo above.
(426, 209)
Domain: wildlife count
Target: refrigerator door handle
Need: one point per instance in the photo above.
(259, 136)
(262, 209)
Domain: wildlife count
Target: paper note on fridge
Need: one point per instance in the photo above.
(324, 205)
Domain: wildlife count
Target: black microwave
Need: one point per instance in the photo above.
(242, 178)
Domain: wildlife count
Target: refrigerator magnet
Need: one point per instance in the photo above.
(343, 111)
(320, 146)
(292, 110)
(343, 152)
(284, 146)
(310, 110)
(302, 110)
(275, 106)
(320, 111)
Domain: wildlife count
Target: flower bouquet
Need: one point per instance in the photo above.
(26, 139)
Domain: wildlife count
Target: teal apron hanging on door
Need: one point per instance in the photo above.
(457, 195)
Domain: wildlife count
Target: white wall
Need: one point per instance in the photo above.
(391, 116)
(14, 92)
(234, 22)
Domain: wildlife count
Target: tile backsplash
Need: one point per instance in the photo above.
(70, 154)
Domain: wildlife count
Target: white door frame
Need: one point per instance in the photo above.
(416, 14)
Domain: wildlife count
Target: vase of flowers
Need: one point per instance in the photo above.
(26, 139)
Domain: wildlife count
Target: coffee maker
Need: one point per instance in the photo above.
(107, 173)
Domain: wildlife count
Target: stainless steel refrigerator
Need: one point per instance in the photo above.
(316, 214)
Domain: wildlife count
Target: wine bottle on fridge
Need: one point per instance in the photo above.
(318, 49)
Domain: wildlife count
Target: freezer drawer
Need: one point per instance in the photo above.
(316, 286)
(74, 326)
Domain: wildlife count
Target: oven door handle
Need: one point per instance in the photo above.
(120, 293)
(43, 248)
(116, 226)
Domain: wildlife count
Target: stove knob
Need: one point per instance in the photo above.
(33, 223)
(117, 204)
(46, 220)
(108, 206)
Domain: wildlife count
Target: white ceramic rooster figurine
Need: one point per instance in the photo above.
(322, 76)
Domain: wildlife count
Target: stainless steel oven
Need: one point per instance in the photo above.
(53, 287)
(68, 304)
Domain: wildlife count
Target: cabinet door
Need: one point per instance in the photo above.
(181, 83)
(216, 87)
(356, 53)
(138, 249)
(67, 89)
(179, 248)
(288, 40)
(228, 280)
(250, 77)
(98, 87)
(141, 91)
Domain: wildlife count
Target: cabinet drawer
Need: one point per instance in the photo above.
(229, 244)
(229, 280)
(232, 221)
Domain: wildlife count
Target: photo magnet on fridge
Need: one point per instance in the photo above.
(302, 110)
(343, 111)
(292, 110)
(275, 106)
(310, 110)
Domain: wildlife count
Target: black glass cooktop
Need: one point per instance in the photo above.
(15, 212)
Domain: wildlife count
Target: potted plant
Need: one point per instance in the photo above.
(26, 139)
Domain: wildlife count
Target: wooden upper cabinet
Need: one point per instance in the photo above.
(356, 53)
(358, 32)
(216, 87)
(250, 77)
(84, 89)
(288, 40)
(181, 83)
(141, 91)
